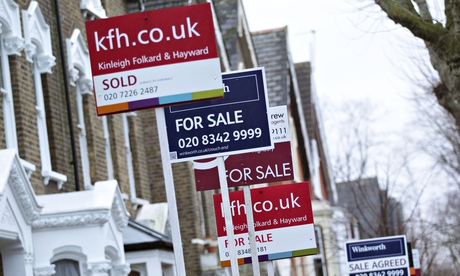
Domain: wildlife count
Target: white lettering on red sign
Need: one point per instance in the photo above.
(114, 39)
(214, 120)
(238, 208)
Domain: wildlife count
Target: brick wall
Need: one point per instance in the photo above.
(26, 123)
(189, 217)
(145, 149)
(95, 140)
(186, 194)
(137, 141)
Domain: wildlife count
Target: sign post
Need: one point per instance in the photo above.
(170, 194)
(238, 123)
(416, 260)
(161, 57)
(251, 168)
(251, 232)
(228, 217)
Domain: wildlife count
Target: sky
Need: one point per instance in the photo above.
(351, 52)
(357, 55)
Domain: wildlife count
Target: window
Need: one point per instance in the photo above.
(167, 269)
(67, 267)
(92, 9)
(80, 78)
(108, 152)
(139, 269)
(2, 58)
(11, 43)
(316, 178)
(319, 259)
(129, 161)
(7, 99)
(39, 54)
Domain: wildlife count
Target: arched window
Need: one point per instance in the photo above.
(68, 261)
(11, 43)
(319, 260)
(80, 77)
(138, 269)
(129, 160)
(92, 9)
(67, 267)
(134, 273)
(39, 54)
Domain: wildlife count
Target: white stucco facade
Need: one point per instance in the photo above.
(36, 231)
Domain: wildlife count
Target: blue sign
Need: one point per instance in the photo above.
(237, 123)
(376, 249)
(378, 257)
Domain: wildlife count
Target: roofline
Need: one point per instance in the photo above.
(269, 30)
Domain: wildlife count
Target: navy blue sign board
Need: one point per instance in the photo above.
(237, 123)
(378, 257)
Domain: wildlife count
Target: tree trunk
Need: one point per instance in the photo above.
(441, 41)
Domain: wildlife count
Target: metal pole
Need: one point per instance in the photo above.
(170, 192)
(228, 215)
(251, 231)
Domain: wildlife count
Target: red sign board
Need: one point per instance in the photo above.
(253, 167)
(283, 222)
(154, 58)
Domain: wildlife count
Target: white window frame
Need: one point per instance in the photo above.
(80, 77)
(70, 252)
(11, 43)
(316, 170)
(55, 263)
(92, 9)
(129, 162)
(39, 53)
(108, 152)
(7, 100)
(320, 245)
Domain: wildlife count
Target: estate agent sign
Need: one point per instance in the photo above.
(378, 257)
(283, 222)
(254, 167)
(154, 58)
(234, 124)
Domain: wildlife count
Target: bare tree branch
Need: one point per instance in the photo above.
(405, 14)
(441, 42)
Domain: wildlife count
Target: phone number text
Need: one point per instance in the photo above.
(225, 137)
(130, 93)
(394, 272)
(247, 251)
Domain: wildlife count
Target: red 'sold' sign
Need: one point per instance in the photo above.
(154, 58)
